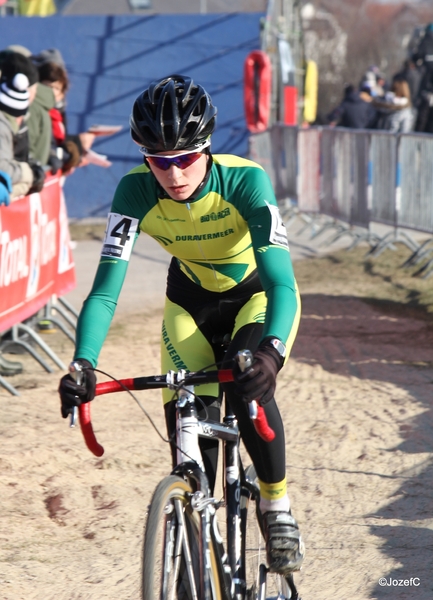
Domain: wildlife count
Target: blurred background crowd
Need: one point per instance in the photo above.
(34, 137)
(400, 104)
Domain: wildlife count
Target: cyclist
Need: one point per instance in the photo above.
(231, 272)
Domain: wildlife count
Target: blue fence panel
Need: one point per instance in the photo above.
(111, 59)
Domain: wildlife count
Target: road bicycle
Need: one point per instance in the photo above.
(185, 557)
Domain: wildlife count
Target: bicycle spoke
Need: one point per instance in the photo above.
(171, 553)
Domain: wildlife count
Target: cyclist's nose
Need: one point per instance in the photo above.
(174, 172)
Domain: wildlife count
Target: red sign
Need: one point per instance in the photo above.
(35, 255)
(290, 105)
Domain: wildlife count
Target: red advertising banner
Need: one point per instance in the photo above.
(35, 256)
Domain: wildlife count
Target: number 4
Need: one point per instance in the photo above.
(121, 230)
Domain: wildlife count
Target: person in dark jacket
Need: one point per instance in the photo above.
(355, 111)
(423, 56)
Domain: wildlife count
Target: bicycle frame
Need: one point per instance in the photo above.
(237, 488)
(188, 431)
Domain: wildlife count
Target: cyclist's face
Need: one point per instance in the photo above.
(180, 183)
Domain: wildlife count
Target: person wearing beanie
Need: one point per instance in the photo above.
(37, 121)
(18, 83)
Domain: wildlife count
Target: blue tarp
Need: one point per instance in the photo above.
(111, 59)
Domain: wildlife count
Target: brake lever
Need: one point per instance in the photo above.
(77, 373)
(245, 360)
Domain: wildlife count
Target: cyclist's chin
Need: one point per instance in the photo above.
(180, 193)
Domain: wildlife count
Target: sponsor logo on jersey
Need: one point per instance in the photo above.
(170, 220)
(215, 216)
(177, 361)
(204, 236)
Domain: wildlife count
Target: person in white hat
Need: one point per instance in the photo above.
(18, 83)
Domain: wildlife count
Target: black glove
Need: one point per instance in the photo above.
(258, 382)
(38, 177)
(72, 394)
(55, 163)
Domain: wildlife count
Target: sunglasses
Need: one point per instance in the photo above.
(182, 161)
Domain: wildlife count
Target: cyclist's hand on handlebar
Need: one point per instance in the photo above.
(258, 382)
(72, 393)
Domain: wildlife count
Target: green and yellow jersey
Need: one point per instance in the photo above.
(230, 231)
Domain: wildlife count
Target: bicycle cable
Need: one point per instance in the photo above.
(167, 441)
(175, 394)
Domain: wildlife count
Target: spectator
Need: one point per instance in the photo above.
(7, 367)
(68, 151)
(5, 188)
(17, 89)
(413, 76)
(355, 111)
(424, 120)
(375, 81)
(423, 56)
(38, 120)
(40, 127)
(396, 107)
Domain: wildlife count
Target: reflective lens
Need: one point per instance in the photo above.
(181, 160)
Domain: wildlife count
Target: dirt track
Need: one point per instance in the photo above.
(356, 398)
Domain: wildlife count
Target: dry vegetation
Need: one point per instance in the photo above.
(380, 280)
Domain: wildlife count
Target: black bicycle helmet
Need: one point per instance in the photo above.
(172, 114)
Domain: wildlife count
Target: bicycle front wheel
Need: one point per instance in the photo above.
(171, 552)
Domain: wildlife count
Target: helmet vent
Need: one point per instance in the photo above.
(172, 114)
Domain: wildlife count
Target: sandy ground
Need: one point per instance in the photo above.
(356, 399)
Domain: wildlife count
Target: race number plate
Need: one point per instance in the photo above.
(278, 233)
(119, 236)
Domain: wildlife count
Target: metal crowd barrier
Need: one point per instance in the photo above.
(347, 179)
(36, 270)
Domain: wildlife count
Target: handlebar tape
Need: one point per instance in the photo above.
(261, 425)
(87, 430)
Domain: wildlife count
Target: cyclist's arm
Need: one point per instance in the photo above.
(98, 309)
(276, 275)
(274, 265)
(121, 234)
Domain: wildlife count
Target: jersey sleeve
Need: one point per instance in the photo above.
(274, 264)
(98, 309)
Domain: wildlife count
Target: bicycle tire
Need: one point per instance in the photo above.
(165, 572)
